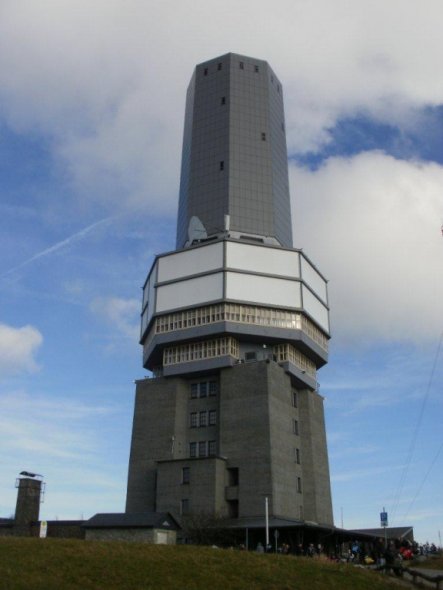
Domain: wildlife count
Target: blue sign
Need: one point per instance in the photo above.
(384, 518)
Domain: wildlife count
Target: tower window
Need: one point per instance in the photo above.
(223, 100)
(297, 456)
(205, 72)
(212, 417)
(203, 419)
(194, 390)
(256, 69)
(203, 389)
(202, 448)
(299, 485)
(193, 449)
(294, 398)
(212, 388)
(184, 506)
(194, 421)
(295, 426)
(222, 165)
(186, 473)
(241, 65)
(263, 136)
(212, 448)
(219, 66)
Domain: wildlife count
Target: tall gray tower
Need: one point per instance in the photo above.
(235, 323)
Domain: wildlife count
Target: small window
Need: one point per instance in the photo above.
(203, 389)
(250, 357)
(256, 69)
(278, 88)
(263, 136)
(212, 388)
(212, 448)
(295, 426)
(233, 476)
(193, 449)
(219, 66)
(241, 65)
(184, 506)
(186, 475)
(299, 485)
(203, 418)
(205, 72)
(297, 456)
(212, 417)
(282, 126)
(194, 390)
(194, 421)
(202, 448)
(294, 399)
(222, 165)
(223, 100)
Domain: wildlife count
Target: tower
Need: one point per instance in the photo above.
(235, 322)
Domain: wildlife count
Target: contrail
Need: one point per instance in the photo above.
(74, 238)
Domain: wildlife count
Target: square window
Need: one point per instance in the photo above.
(203, 418)
(194, 420)
(212, 417)
(212, 388)
(202, 448)
(193, 449)
(212, 448)
(203, 389)
(186, 475)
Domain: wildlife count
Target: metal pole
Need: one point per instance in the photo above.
(267, 521)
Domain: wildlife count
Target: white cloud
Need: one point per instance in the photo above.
(372, 224)
(108, 79)
(122, 314)
(18, 347)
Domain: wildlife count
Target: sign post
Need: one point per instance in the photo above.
(384, 523)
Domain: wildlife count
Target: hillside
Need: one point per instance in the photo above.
(51, 564)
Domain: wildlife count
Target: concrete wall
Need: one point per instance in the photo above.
(159, 415)
(139, 535)
(315, 464)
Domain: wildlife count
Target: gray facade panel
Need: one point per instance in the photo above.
(234, 151)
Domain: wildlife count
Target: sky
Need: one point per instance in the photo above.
(92, 99)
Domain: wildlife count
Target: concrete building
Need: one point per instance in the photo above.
(234, 325)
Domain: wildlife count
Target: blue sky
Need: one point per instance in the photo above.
(91, 119)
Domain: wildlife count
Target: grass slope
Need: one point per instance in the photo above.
(57, 564)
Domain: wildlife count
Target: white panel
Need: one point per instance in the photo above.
(262, 259)
(190, 262)
(190, 292)
(263, 290)
(316, 309)
(313, 279)
(148, 290)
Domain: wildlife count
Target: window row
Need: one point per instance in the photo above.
(204, 389)
(287, 352)
(196, 351)
(241, 65)
(204, 418)
(203, 448)
(247, 314)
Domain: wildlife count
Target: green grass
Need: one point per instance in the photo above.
(57, 564)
